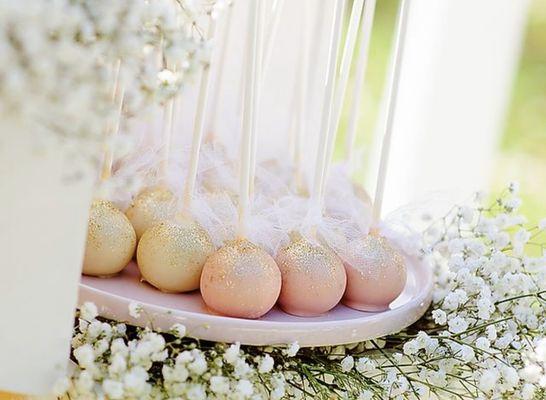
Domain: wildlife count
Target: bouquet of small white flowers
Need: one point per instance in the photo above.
(482, 338)
(58, 60)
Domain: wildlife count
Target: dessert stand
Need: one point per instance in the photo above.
(339, 326)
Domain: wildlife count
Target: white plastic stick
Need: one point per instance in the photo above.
(318, 26)
(393, 82)
(249, 117)
(361, 66)
(113, 128)
(341, 87)
(258, 91)
(220, 73)
(272, 29)
(321, 158)
(299, 113)
(264, 61)
(168, 124)
(198, 128)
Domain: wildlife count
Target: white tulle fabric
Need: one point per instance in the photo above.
(280, 206)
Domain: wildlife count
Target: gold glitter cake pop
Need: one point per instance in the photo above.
(313, 278)
(111, 240)
(171, 255)
(150, 207)
(240, 280)
(376, 275)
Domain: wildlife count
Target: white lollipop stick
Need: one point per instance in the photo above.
(249, 116)
(300, 92)
(198, 129)
(321, 158)
(346, 61)
(258, 79)
(265, 59)
(117, 95)
(362, 63)
(272, 29)
(392, 94)
(219, 80)
(168, 123)
(318, 26)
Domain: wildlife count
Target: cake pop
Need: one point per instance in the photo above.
(313, 276)
(376, 276)
(241, 279)
(150, 207)
(171, 255)
(376, 270)
(111, 240)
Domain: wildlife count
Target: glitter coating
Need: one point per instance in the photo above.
(240, 280)
(171, 255)
(111, 240)
(313, 278)
(150, 207)
(376, 274)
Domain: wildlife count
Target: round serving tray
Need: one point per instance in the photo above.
(341, 325)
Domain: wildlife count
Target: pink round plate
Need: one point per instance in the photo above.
(339, 326)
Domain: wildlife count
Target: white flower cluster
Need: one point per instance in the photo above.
(58, 57)
(484, 336)
(116, 361)
(489, 306)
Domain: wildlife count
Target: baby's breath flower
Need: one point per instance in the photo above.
(232, 353)
(347, 364)
(199, 365)
(364, 365)
(482, 343)
(244, 388)
(411, 347)
(266, 364)
(488, 380)
(457, 324)
(292, 350)
(178, 330)
(135, 309)
(219, 384)
(113, 389)
(513, 187)
(85, 356)
(88, 311)
(439, 316)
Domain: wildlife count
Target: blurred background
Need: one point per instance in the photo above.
(521, 152)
